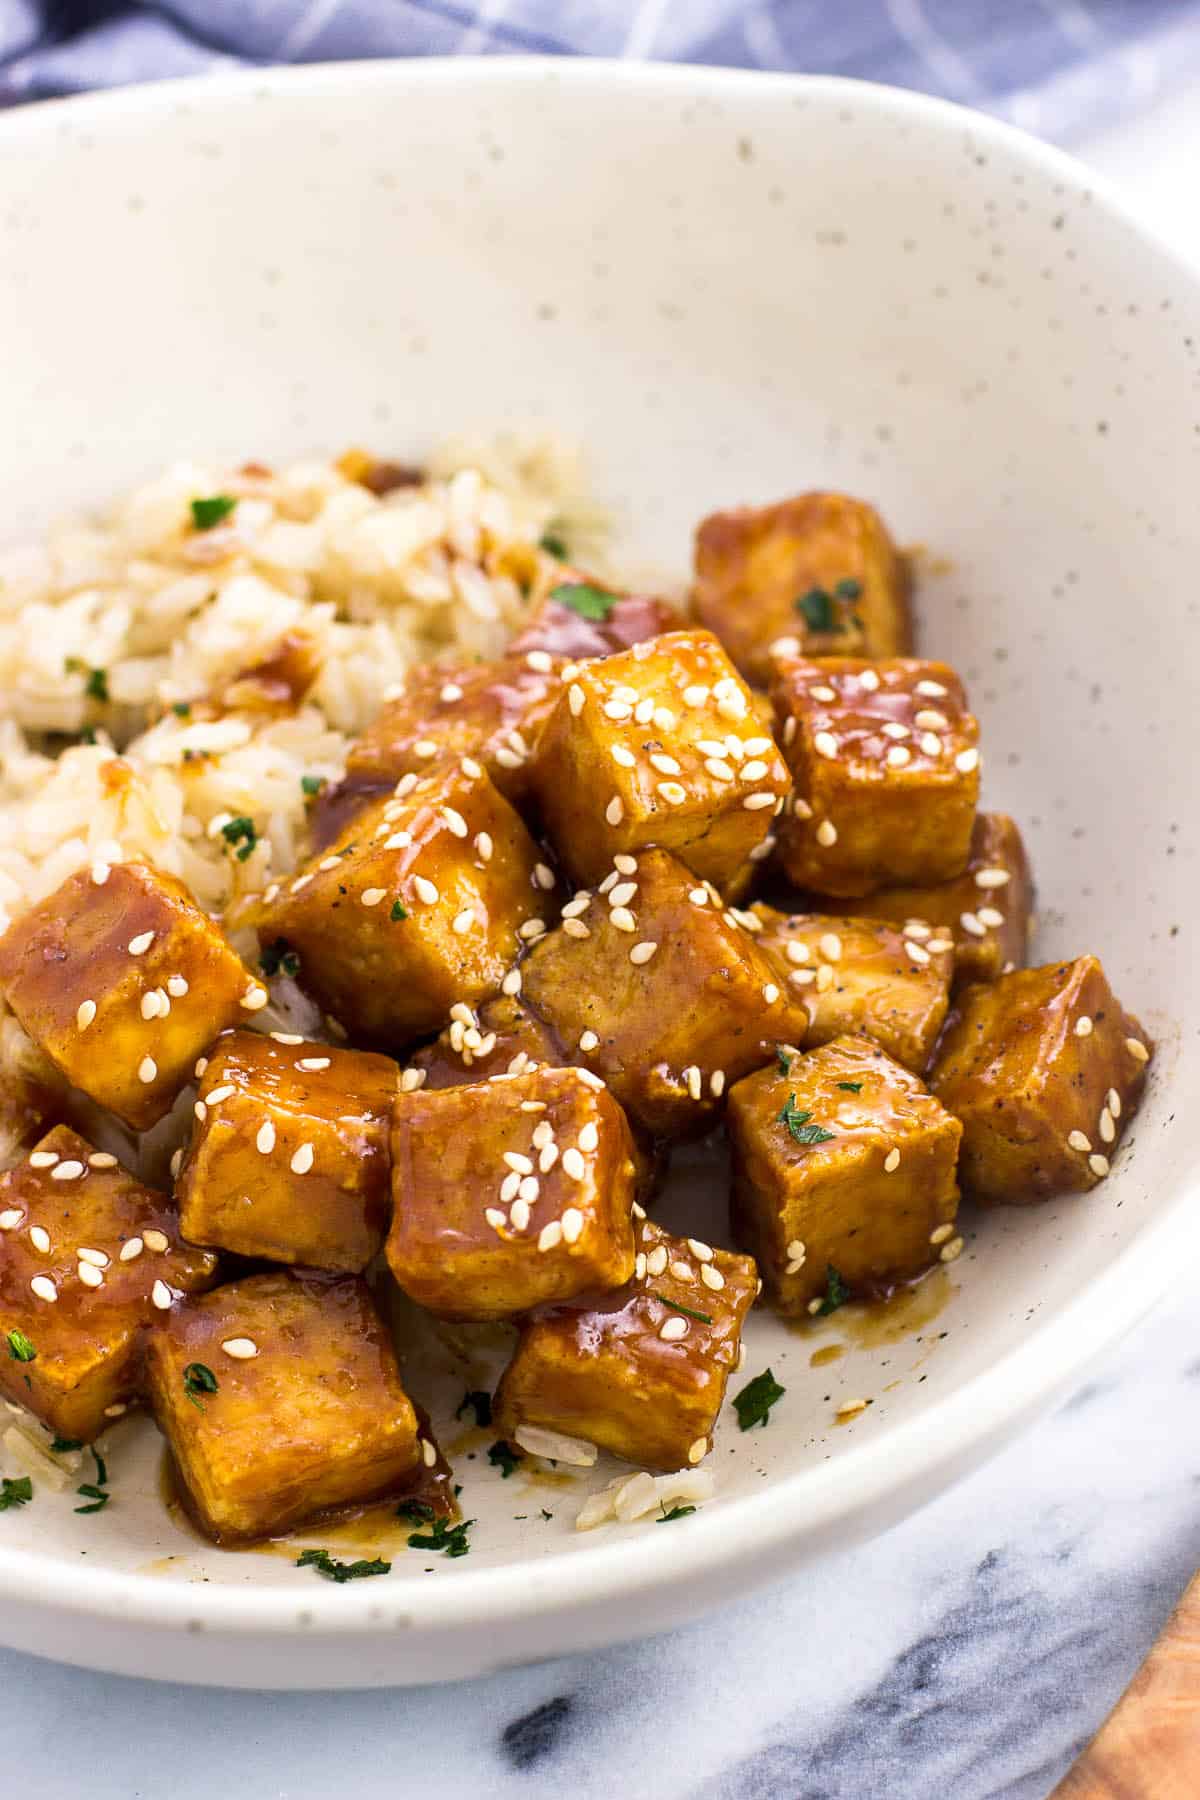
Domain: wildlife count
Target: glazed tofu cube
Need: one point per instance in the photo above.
(858, 975)
(493, 712)
(123, 982)
(281, 1400)
(985, 913)
(1045, 1069)
(510, 1193)
(842, 1167)
(659, 745)
(579, 617)
(289, 1152)
(662, 992)
(817, 574)
(418, 904)
(640, 1372)
(88, 1259)
(885, 761)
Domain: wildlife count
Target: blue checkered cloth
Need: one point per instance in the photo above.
(1060, 67)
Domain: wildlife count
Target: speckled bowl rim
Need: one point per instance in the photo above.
(868, 1485)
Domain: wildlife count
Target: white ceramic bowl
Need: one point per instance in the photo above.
(731, 287)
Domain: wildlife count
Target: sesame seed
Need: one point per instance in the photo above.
(666, 765)
(543, 874)
(280, 1037)
(147, 1069)
(509, 1187)
(529, 1189)
(302, 1161)
(425, 748)
(758, 746)
(593, 1080)
(573, 1164)
(643, 712)
(550, 1236)
(572, 1224)
(547, 1157)
(300, 882)
(1099, 1165)
(67, 1171)
(618, 711)
(313, 1064)
(141, 943)
(43, 1159)
(156, 1240)
(830, 946)
(44, 1288)
(614, 812)
(989, 916)
(718, 768)
(85, 1014)
(639, 1266)
(716, 1082)
(893, 729)
(932, 689)
(991, 878)
(463, 921)
(682, 1271)
(575, 699)
(254, 999)
(576, 928)
(405, 785)
(39, 1237)
(539, 660)
(450, 693)
(622, 893)
(520, 1215)
(770, 993)
(161, 1295)
(695, 695)
(1083, 1026)
(931, 744)
(589, 1137)
(641, 953)
(898, 756)
(672, 792)
(483, 844)
(130, 1249)
(712, 1277)
(1078, 1141)
(789, 729)
(578, 905)
(693, 1078)
(622, 918)
(512, 983)
(825, 977)
(241, 1349)
(891, 1161)
(1137, 1049)
(1108, 1129)
(755, 802)
(425, 890)
(814, 1307)
(754, 771)
(411, 1080)
(265, 1141)
(515, 1160)
(656, 1261)
(672, 1329)
(470, 768)
(825, 744)
(972, 924)
(428, 1453)
(916, 952)
(939, 944)
(217, 1094)
(826, 834)
(455, 821)
(10, 1219)
(1114, 1103)
(796, 1250)
(495, 1218)
(624, 759)
(100, 873)
(625, 864)
(328, 862)
(542, 1133)
(966, 761)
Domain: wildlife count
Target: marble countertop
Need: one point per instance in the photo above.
(969, 1652)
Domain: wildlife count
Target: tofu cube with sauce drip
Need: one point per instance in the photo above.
(421, 903)
(89, 1258)
(843, 1166)
(281, 1400)
(859, 975)
(510, 1193)
(288, 1156)
(123, 981)
(640, 1372)
(661, 991)
(578, 617)
(816, 574)
(885, 761)
(1044, 1068)
(986, 911)
(659, 745)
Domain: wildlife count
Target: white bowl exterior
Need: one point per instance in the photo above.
(729, 288)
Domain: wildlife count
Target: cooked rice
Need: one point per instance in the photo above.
(171, 615)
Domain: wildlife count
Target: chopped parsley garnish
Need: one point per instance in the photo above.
(553, 544)
(312, 784)
(582, 598)
(198, 1379)
(451, 1539)
(836, 1293)
(753, 1405)
(88, 735)
(818, 605)
(546, 1515)
(95, 1491)
(19, 1347)
(502, 1456)
(182, 708)
(783, 1059)
(96, 685)
(399, 911)
(478, 1401)
(241, 831)
(278, 957)
(15, 1491)
(701, 1318)
(419, 1511)
(797, 1123)
(209, 512)
(62, 1444)
(324, 1564)
(850, 1087)
(676, 1512)
(848, 589)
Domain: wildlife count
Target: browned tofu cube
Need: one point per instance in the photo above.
(885, 761)
(858, 975)
(281, 1400)
(640, 1372)
(510, 1193)
(420, 903)
(289, 1152)
(579, 617)
(985, 913)
(843, 1174)
(88, 1258)
(661, 992)
(123, 982)
(816, 574)
(491, 711)
(659, 745)
(1045, 1069)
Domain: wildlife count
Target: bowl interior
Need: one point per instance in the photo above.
(727, 290)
